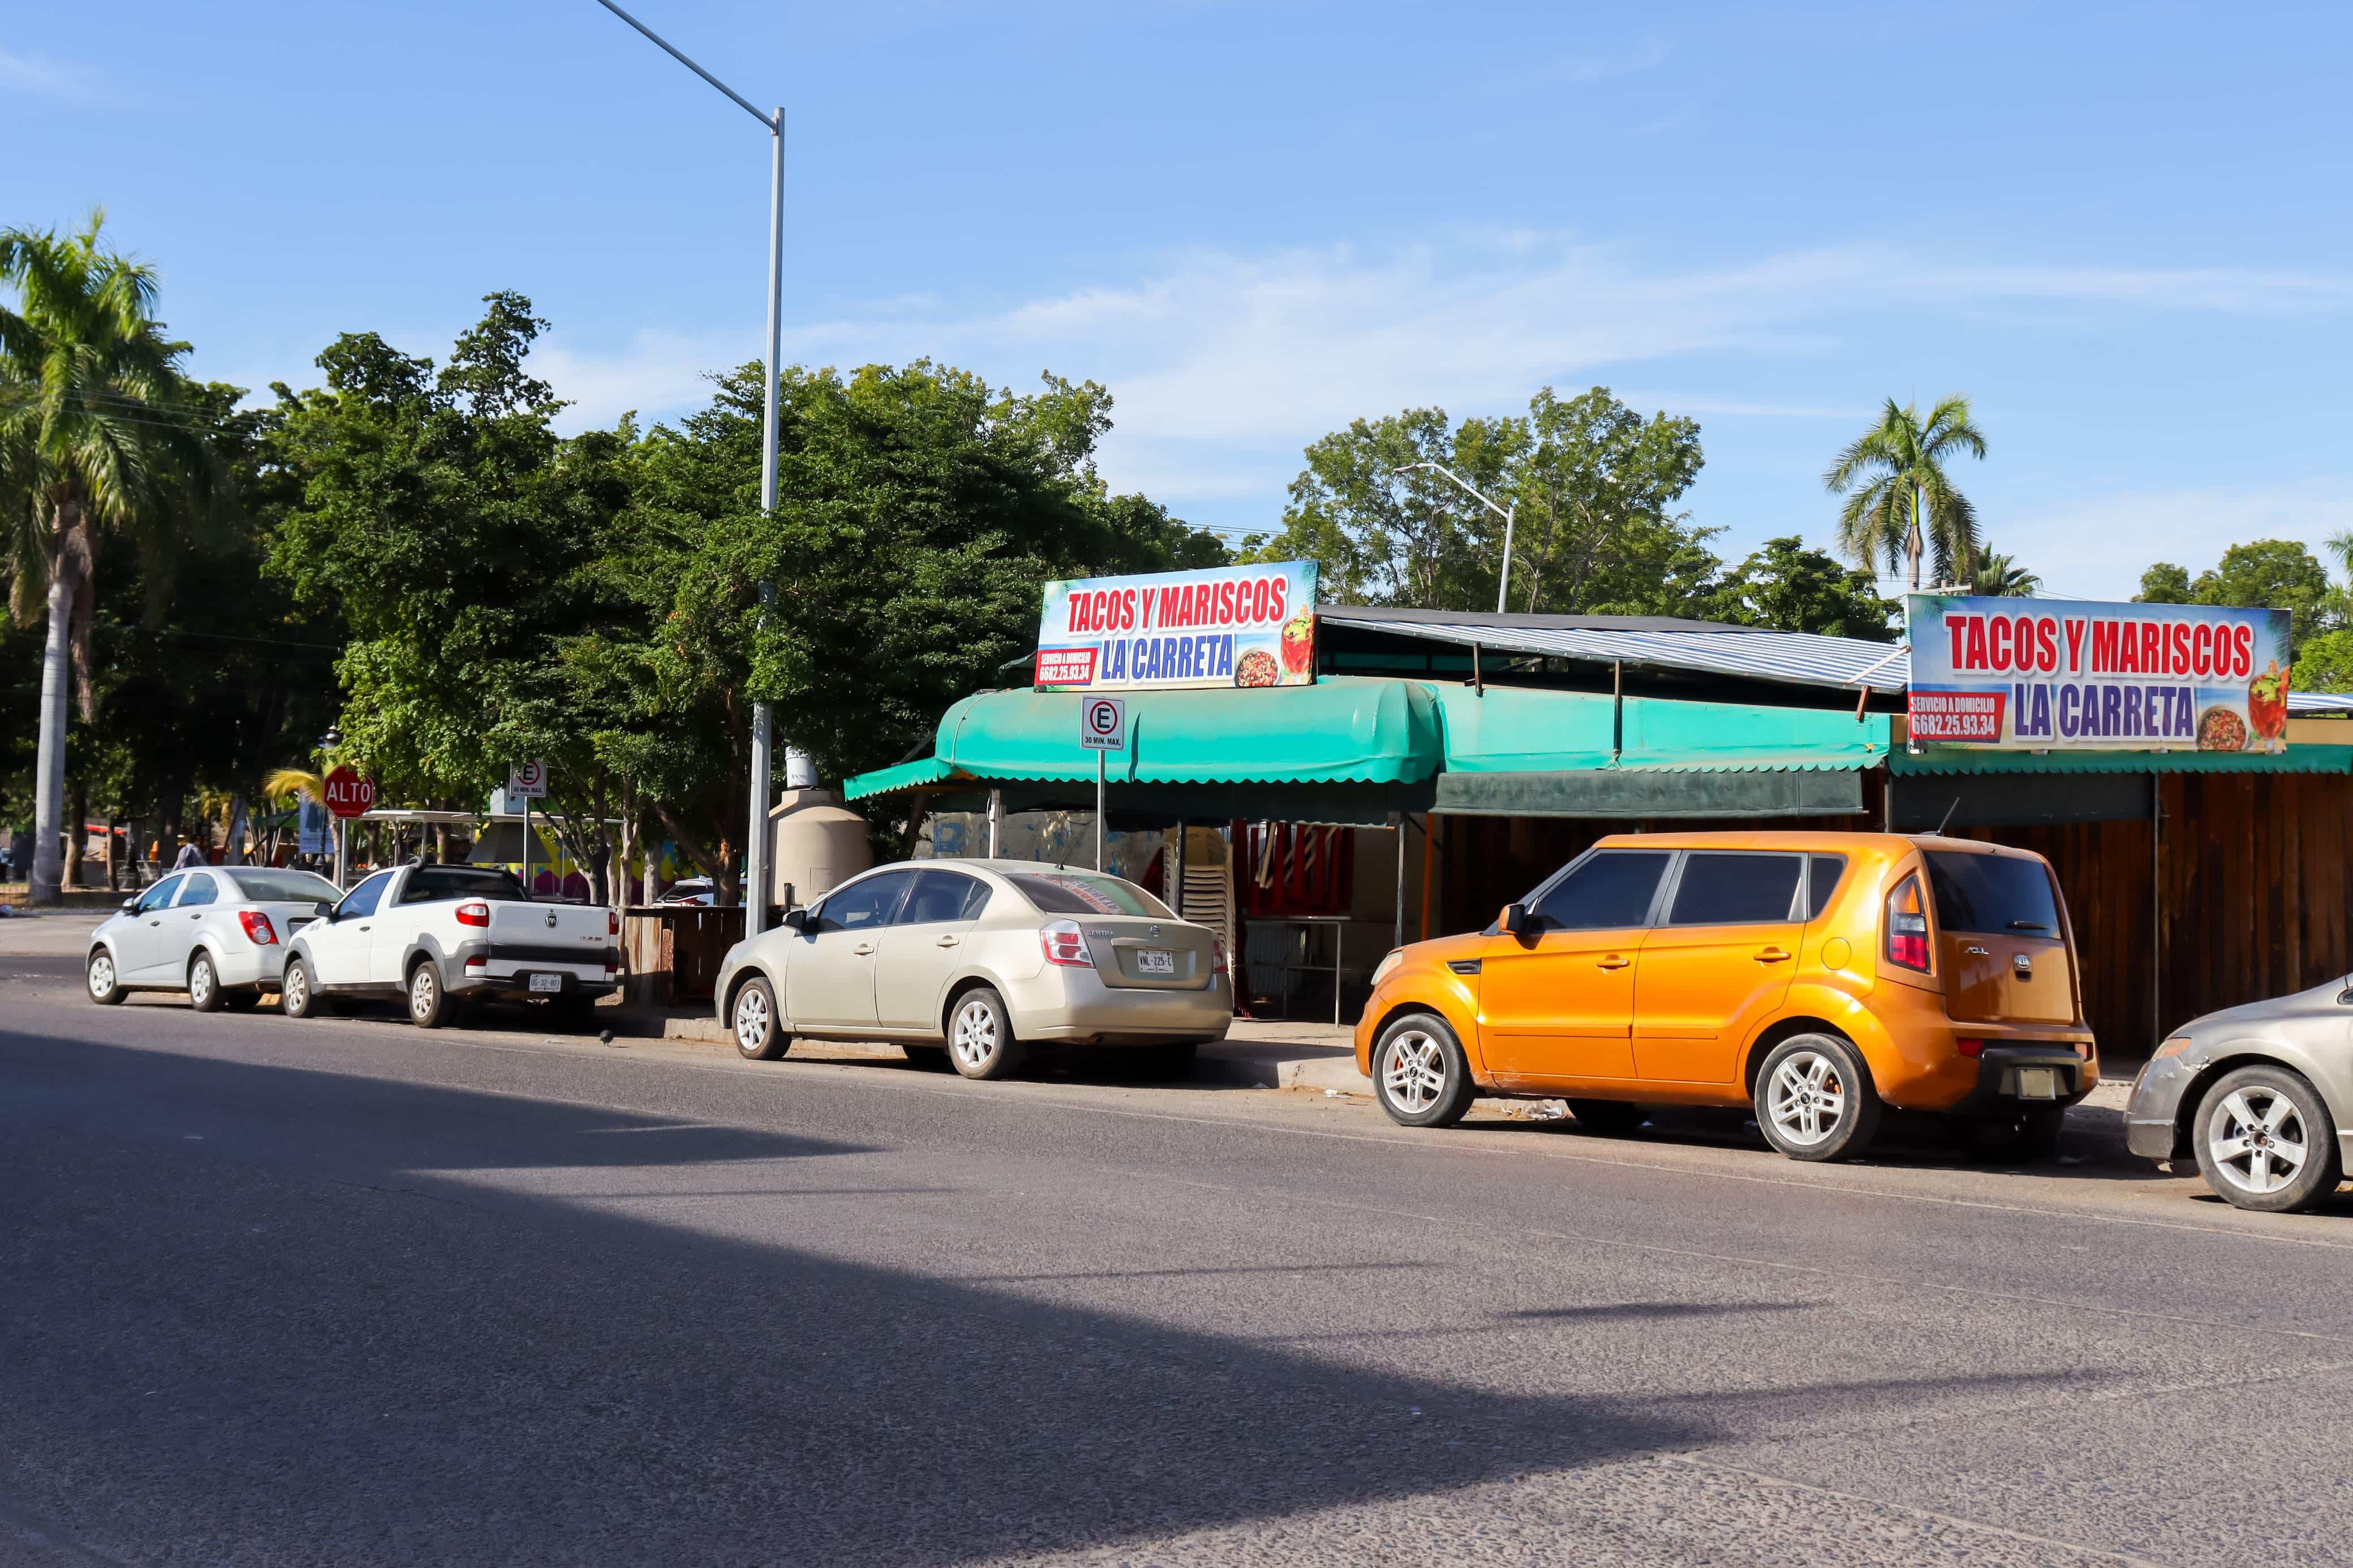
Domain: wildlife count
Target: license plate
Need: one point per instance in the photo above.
(1155, 961)
(547, 982)
(2037, 1083)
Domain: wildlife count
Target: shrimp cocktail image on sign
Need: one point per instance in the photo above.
(2066, 675)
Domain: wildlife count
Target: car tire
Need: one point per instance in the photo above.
(298, 994)
(980, 1035)
(759, 1032)
(428, 1000)
(1610, 1116)
(102, 981)
(1815, 1099)
(1419, 1074)
(2245, 1127)
(204, 983)
(927, 1058)
(2018, 1136)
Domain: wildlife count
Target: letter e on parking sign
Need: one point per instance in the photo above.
(1103, 723)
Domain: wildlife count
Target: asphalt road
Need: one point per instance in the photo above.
(345, 1292)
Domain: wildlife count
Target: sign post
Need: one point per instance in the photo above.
(1102, 729)
(527, 781)
(348, 795)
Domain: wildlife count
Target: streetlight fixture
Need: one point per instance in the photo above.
(755, 844)
(1508, 513)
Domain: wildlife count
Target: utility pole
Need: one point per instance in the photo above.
(755, 846)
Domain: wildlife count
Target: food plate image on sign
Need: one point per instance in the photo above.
(1232, 626)
(2072, 675)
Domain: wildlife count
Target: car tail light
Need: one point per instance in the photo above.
(258, 929)
(1217, 955)
(612, 923)
(474, 914)
(1066, 944)
(1969, 1047)
(1907, 926)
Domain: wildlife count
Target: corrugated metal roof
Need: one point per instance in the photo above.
(1799, 658)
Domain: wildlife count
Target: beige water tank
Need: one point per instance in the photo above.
(814, 843)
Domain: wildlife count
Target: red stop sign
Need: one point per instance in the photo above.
(348, 795)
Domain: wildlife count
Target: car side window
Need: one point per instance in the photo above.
(942, 896)
(1611, 891)
(362, 899)
(1823, 875)
(201, 890)
(161, 895)
(864, 906)
(1728, 888)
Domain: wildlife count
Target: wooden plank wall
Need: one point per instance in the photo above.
(2249, 893)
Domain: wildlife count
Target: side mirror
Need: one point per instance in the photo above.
(326, 911)
(798, 921)
(131, 904)
(1514, 920)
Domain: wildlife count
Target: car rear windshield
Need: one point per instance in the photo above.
(429, 884)
(263, 885)
(1992, 893)
(1063, 893)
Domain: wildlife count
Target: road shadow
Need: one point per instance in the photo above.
(265, 1347)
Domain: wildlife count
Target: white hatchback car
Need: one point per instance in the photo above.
(965, 961)
(218, 933)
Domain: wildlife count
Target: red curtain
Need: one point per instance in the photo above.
(1289, 870)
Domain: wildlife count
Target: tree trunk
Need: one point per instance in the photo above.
(50, 772)
(722, 880)
(236, 826)
(113, 855)
(77, 832)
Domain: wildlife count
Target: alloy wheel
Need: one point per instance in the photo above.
(102, 975)
(2258, 1139)
(751, 1020)
(1414, 1073)
(294, 989)
(1807, 1098)
(974, 1038)
(421, 987)
(200, 981)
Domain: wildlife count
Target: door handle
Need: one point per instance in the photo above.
(1614, 962)
(1772, 954)
(367, 928)
(862, 949)
(947, 941)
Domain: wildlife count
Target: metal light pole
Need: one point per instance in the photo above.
(755, 846)
(1509, 514)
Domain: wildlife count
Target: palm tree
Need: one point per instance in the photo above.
(1886, 473)
(1999, 577)
(95, 440)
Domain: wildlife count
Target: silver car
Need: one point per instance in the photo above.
(964, 963)
(2257, 1095)
(217, 933)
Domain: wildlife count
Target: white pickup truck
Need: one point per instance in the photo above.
(434, 934)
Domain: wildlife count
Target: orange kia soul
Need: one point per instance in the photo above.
(1816, 976)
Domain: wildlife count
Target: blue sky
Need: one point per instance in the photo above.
(2123, 231)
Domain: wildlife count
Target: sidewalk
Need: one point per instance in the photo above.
(1260, 1054)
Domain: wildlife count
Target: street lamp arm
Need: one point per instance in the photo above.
(1466, 484)
(664, 44)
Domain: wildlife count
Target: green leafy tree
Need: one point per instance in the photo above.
(2278, 574)
(96, 444)
(2164, 584)
(1789, 587)
(1594, 485)
(1887, 471)
(2324, 663)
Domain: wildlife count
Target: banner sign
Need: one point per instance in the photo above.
(1230, 625)
(2063, 675)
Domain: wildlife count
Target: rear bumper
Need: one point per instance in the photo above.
(249, 965)
(1074, 1006)
(2006, 1071)
(520, 986)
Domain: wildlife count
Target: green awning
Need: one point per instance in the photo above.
(1519, 729)
(1337, 730)
(2308, 759)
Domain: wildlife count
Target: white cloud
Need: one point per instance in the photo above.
(1223, 365)
(41, 77)
(2096, 548)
